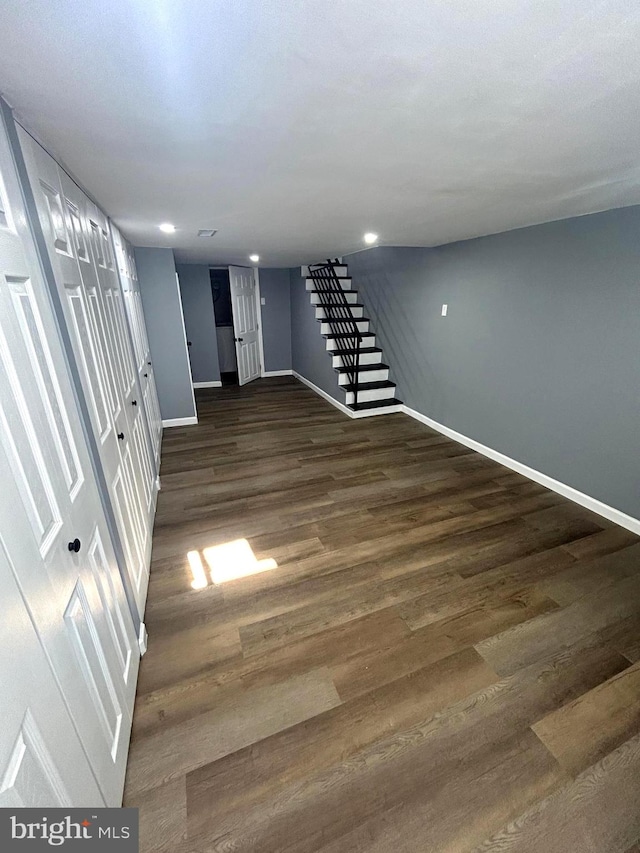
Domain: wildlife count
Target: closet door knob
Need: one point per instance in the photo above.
(74, 546)
(134, 402)
(146, 375)
(121, 436)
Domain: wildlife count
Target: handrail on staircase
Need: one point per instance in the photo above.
(339, 316)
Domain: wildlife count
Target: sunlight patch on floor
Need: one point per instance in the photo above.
(226, 562)
(197, 569)
(235, 560)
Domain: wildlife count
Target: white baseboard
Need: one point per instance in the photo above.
(217, 384)
(368, 413)
(143, 638)
(267, 373)
(174, 422)
(608, 512)
(327, 397)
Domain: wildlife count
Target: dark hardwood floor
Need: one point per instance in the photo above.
(446, 657)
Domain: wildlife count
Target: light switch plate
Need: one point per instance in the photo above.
(263, 301)
(445, 308)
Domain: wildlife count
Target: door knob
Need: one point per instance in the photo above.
(74, 546)
(149, 363)
(134, 402)
(121, 436)
(188, 343)
(239, 340)
(146, 375)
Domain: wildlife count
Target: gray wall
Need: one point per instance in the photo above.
(165, 328)
(539, 357)
(200, 321)
(276, 318)
(309, 356)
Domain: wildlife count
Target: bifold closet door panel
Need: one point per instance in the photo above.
(55, 550)
(80, 251)
(126, 264)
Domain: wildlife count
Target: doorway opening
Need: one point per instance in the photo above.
(223, 311)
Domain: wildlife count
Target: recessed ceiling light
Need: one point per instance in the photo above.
(254, 258)
(370, 238)
(167, 227)
(207, 232)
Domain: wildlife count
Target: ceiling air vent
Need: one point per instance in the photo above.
(207, 232)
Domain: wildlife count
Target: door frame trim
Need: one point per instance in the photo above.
(256, 278)
(194, 418)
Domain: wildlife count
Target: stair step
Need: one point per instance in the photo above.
(370, 392)
(326, 313)
(376, 404)
(367, 374)
(349, 351)
(351, 297)
(351, 305)
(368, 355)
(325, 326)
(335, 342)
(341, 270)
(345, 283)
(370, 386)
(364, 367)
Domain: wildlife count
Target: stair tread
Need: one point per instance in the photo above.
(324, 291)
(370, 386)
(350, 304)
(348, 351)
(333, 316)
(349, 335)
(344, 320)
(379, 366)
(375, 404)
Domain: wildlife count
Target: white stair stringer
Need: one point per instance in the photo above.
(376, 393)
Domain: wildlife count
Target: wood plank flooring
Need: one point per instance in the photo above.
(445, 658)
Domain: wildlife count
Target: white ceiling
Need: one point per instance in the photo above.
(294, 126)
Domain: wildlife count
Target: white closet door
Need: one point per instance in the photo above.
(79, 249)
(41, 758)
(119, 355)
(51, 517)
(126, 265)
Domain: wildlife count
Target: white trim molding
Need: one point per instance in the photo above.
(216, 384)
(367, 413)
(173, 422)
(267, 373)
(256, 278)
(608, 512)
(186, 349)
(143, 638)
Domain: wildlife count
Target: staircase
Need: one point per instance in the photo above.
(351, 344)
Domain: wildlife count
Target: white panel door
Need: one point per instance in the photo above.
(42, 762)
(139, 457)
(126, 265)
(80, 252)
(51, 517)
(245, 323)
